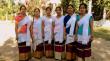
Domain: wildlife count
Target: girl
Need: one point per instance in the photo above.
(69, 23)
(58, 33)
(22, 25)
(84, 30)
(48, 33)
(37, 34)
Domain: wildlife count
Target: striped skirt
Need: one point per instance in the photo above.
(84, 50)
(59, 49)
(49, 49)
(71, 51)
(24, 52)
(38, 53)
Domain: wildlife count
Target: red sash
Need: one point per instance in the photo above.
(24, 27)
(18, 18)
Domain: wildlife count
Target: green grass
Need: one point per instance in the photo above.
(102, 32)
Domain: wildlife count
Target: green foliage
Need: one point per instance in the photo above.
(8, 7)
(98, 7)
(75, 3)
(64, 4)
(107, 4)
(32, 5)
(102, 32)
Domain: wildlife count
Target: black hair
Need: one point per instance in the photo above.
(85, 6)
(70, 5)
(58, 7)
(48, 8)
(36, 9)
(22, 6)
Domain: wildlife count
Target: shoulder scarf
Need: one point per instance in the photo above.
(84, 38)
(24, 36)
(71, 24)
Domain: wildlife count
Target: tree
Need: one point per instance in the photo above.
(32, 4)
(107, 7)
(8, 7)
(64, 4)
(98, 8)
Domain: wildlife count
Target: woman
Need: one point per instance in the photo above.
(22, 25)
(84, 30)
(48, 33)
(37, 34)
(69, 23)
(58, 33)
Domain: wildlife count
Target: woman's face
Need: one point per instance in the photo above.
(70, 10)
(82, 9)
(48, 12)
(37, 12)
(58, 11)
(23, 10)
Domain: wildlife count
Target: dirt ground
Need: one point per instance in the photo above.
(9, 51)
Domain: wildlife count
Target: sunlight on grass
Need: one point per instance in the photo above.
(102, 32)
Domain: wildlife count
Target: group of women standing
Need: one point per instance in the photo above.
(62, 37)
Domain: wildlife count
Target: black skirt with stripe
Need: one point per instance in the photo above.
(71, 47)
(83, 50)
(24, 51)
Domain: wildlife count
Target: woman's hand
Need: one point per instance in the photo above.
(91, 38)
(16, 37)
(75, 38)
(64, 36)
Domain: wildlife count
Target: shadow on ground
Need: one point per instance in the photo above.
(101, 50)
(102, 33)
(9, 51)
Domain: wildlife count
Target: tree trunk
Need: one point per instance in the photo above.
(90, 6)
